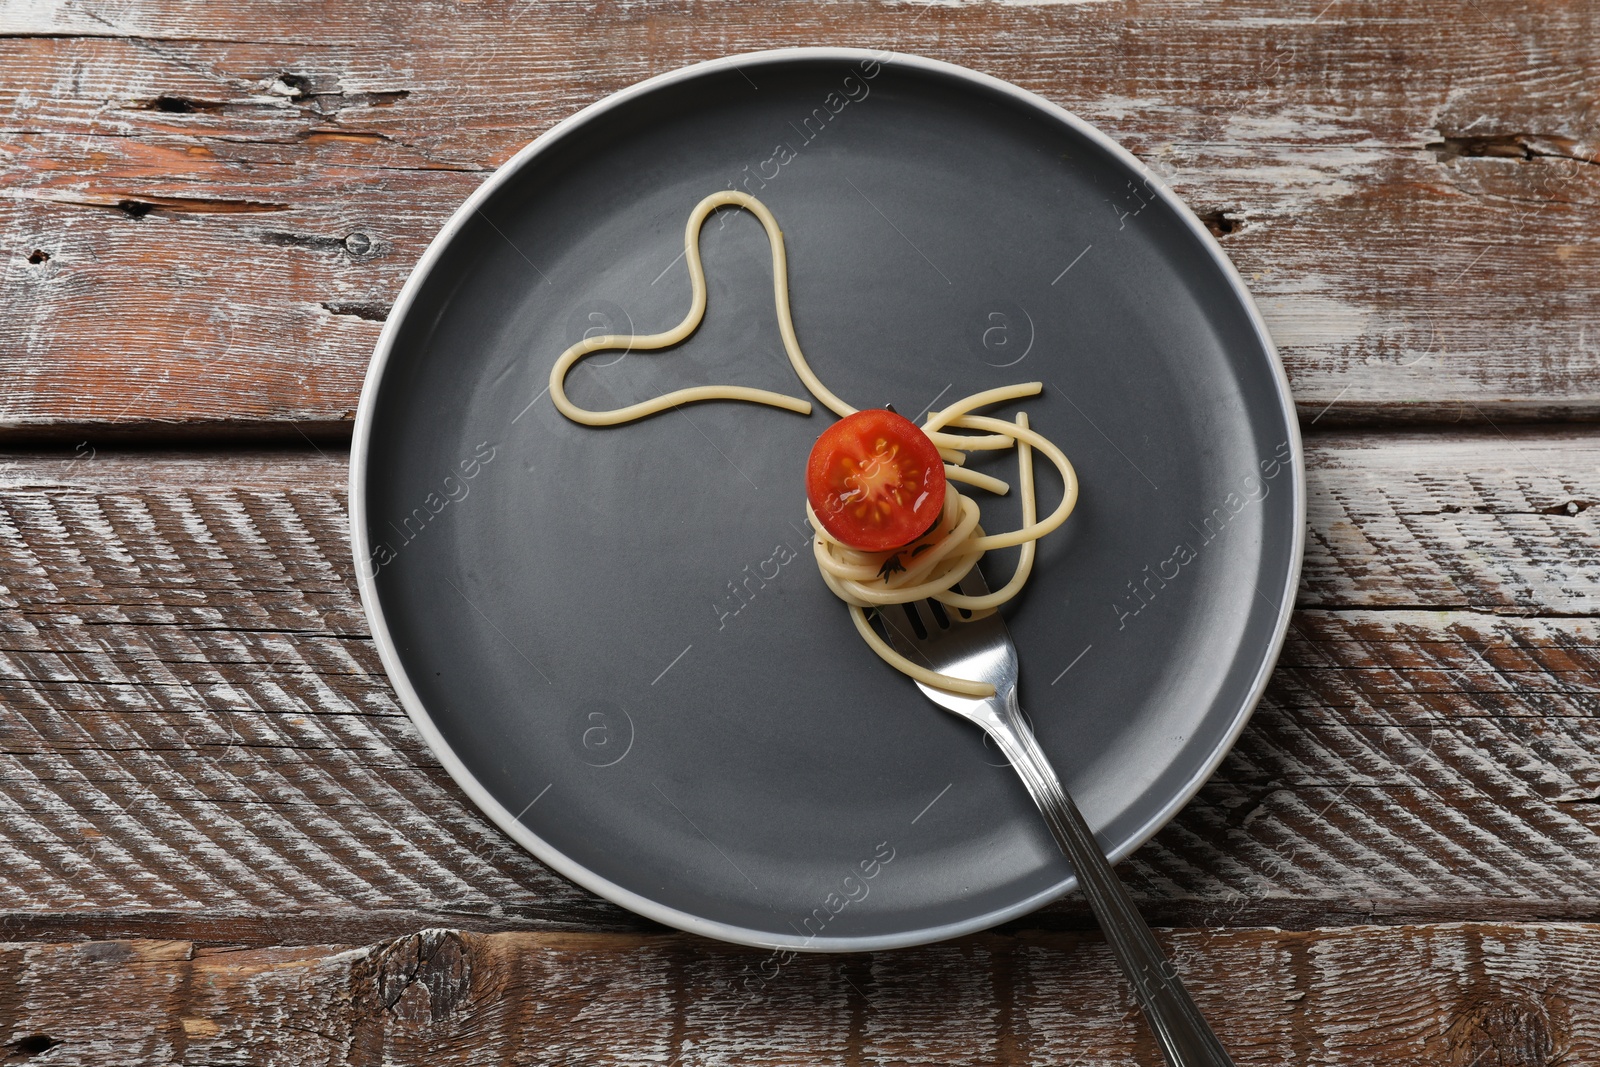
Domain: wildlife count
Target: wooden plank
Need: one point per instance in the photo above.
(206, 212)
(1457, 994)
(197, 740)
(1501, 521)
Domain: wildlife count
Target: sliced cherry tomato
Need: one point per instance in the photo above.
(875, 480)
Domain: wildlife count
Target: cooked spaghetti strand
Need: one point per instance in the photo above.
(690, 323)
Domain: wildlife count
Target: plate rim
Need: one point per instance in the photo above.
(560, 861)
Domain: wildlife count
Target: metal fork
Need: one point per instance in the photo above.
(981, 650)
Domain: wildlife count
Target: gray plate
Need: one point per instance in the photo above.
(615, 639)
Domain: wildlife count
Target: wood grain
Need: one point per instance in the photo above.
(1490, 520)
(197, 740)
(1456, 995)
(205, 212)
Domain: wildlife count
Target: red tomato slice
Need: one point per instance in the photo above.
(875, 480)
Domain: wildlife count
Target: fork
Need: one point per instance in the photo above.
(981, 650)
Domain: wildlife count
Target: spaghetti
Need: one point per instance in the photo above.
(929, 566)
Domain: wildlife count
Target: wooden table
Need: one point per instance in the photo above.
(223, 842)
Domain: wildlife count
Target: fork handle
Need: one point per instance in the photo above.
(1186, 1039)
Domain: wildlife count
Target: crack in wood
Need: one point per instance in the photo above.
(324, 135)
(319, 242)
(140, 39)
(312, 136)
(328, 96)
(370, 312)
(142, 205)
(1520, 146)
(32, 1045)
(1222, 222)
(356, 245)
(177, 105)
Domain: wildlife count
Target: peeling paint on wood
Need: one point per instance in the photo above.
(225, 843)
(1457, 994)
(194, 727)
(1452, 519)
(1416, 221)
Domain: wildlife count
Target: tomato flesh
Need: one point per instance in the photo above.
(875, 480)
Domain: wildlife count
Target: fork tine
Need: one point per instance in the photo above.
(930, 622)
(972, 583)
(931, 619)
(895, 621)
